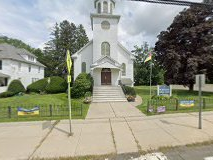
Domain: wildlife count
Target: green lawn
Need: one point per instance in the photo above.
(59, 106)
(144, 92)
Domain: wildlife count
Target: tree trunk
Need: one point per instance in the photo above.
(191, 87)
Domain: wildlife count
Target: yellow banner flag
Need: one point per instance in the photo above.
(69, 62)
(148, 58)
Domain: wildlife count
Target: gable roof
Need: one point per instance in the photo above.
(10, 52)
(84, 47)
(106, 62)
(127, 51)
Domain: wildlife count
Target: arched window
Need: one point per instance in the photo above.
(83, 67)
(99, 7)
(111, 6)
(105, 49)
(123, 69)
(105, 7)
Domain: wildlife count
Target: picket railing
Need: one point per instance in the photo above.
(174, 104)
(51, 110)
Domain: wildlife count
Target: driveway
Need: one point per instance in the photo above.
(114, 110)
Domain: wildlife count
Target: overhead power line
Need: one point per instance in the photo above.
(175, 2)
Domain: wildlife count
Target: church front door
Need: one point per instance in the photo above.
(106, 76)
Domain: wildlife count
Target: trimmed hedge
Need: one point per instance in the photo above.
(6, 94)
(38, 86)
(155, 97)
(130, 91)
(56, 85)
(82, 84)
(16, 87)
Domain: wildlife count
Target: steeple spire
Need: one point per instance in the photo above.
(104, 6)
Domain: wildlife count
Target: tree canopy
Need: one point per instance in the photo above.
(142, 70)
(185, 48)
(64, 36)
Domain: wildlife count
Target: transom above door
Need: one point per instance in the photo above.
(106, 76)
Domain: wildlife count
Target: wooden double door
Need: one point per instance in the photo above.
(106, 76)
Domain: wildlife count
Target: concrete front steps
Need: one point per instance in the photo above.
(108, 94)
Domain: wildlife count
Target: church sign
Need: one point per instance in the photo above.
(164, 90)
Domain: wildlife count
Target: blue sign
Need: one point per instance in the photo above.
(164, 90)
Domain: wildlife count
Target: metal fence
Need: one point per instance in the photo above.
(174, 104)
(51, 110)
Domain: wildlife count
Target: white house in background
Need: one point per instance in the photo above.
(104, 57)
(16, 63)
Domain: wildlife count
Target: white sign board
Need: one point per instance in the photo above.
(164, 90)
(203, 80)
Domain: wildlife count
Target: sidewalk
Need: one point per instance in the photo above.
(102, 136)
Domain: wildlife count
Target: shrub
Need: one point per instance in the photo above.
(56, 85)
(16, 87)
(155, 97)
(88, 94)
(38, 86)
(6, 94)
(130, 91)
(82, 84)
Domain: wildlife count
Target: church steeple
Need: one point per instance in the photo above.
(104, 6)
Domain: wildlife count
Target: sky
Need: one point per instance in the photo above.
(32, 20)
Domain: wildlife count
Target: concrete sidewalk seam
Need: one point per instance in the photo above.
(168, 133)
(136, 141)
(113, 136)
(112, 109)
(43, 139)
(78, 141)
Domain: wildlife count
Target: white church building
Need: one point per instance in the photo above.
(107, 60)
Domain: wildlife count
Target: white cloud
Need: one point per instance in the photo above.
(31, 21)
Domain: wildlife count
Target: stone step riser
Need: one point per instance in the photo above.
(109, 98)
(108, 94)
(107, 90)
(101, 101)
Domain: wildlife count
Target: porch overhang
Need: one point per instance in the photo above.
(105, 65)
(4, 75)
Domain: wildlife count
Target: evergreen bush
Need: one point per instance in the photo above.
(16, 87)
(130, 91)
(82, 84)
(56, 85)
(6, 94)
(38, 86)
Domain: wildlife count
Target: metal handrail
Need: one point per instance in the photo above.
(122, 86)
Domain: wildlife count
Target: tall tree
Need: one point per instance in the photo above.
(185, 49)
(64, 36)
(142, 70)
(16, 43)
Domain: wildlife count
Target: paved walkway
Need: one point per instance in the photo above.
(102, 136)
(114, 110)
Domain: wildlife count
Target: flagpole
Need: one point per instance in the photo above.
(150, 80)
